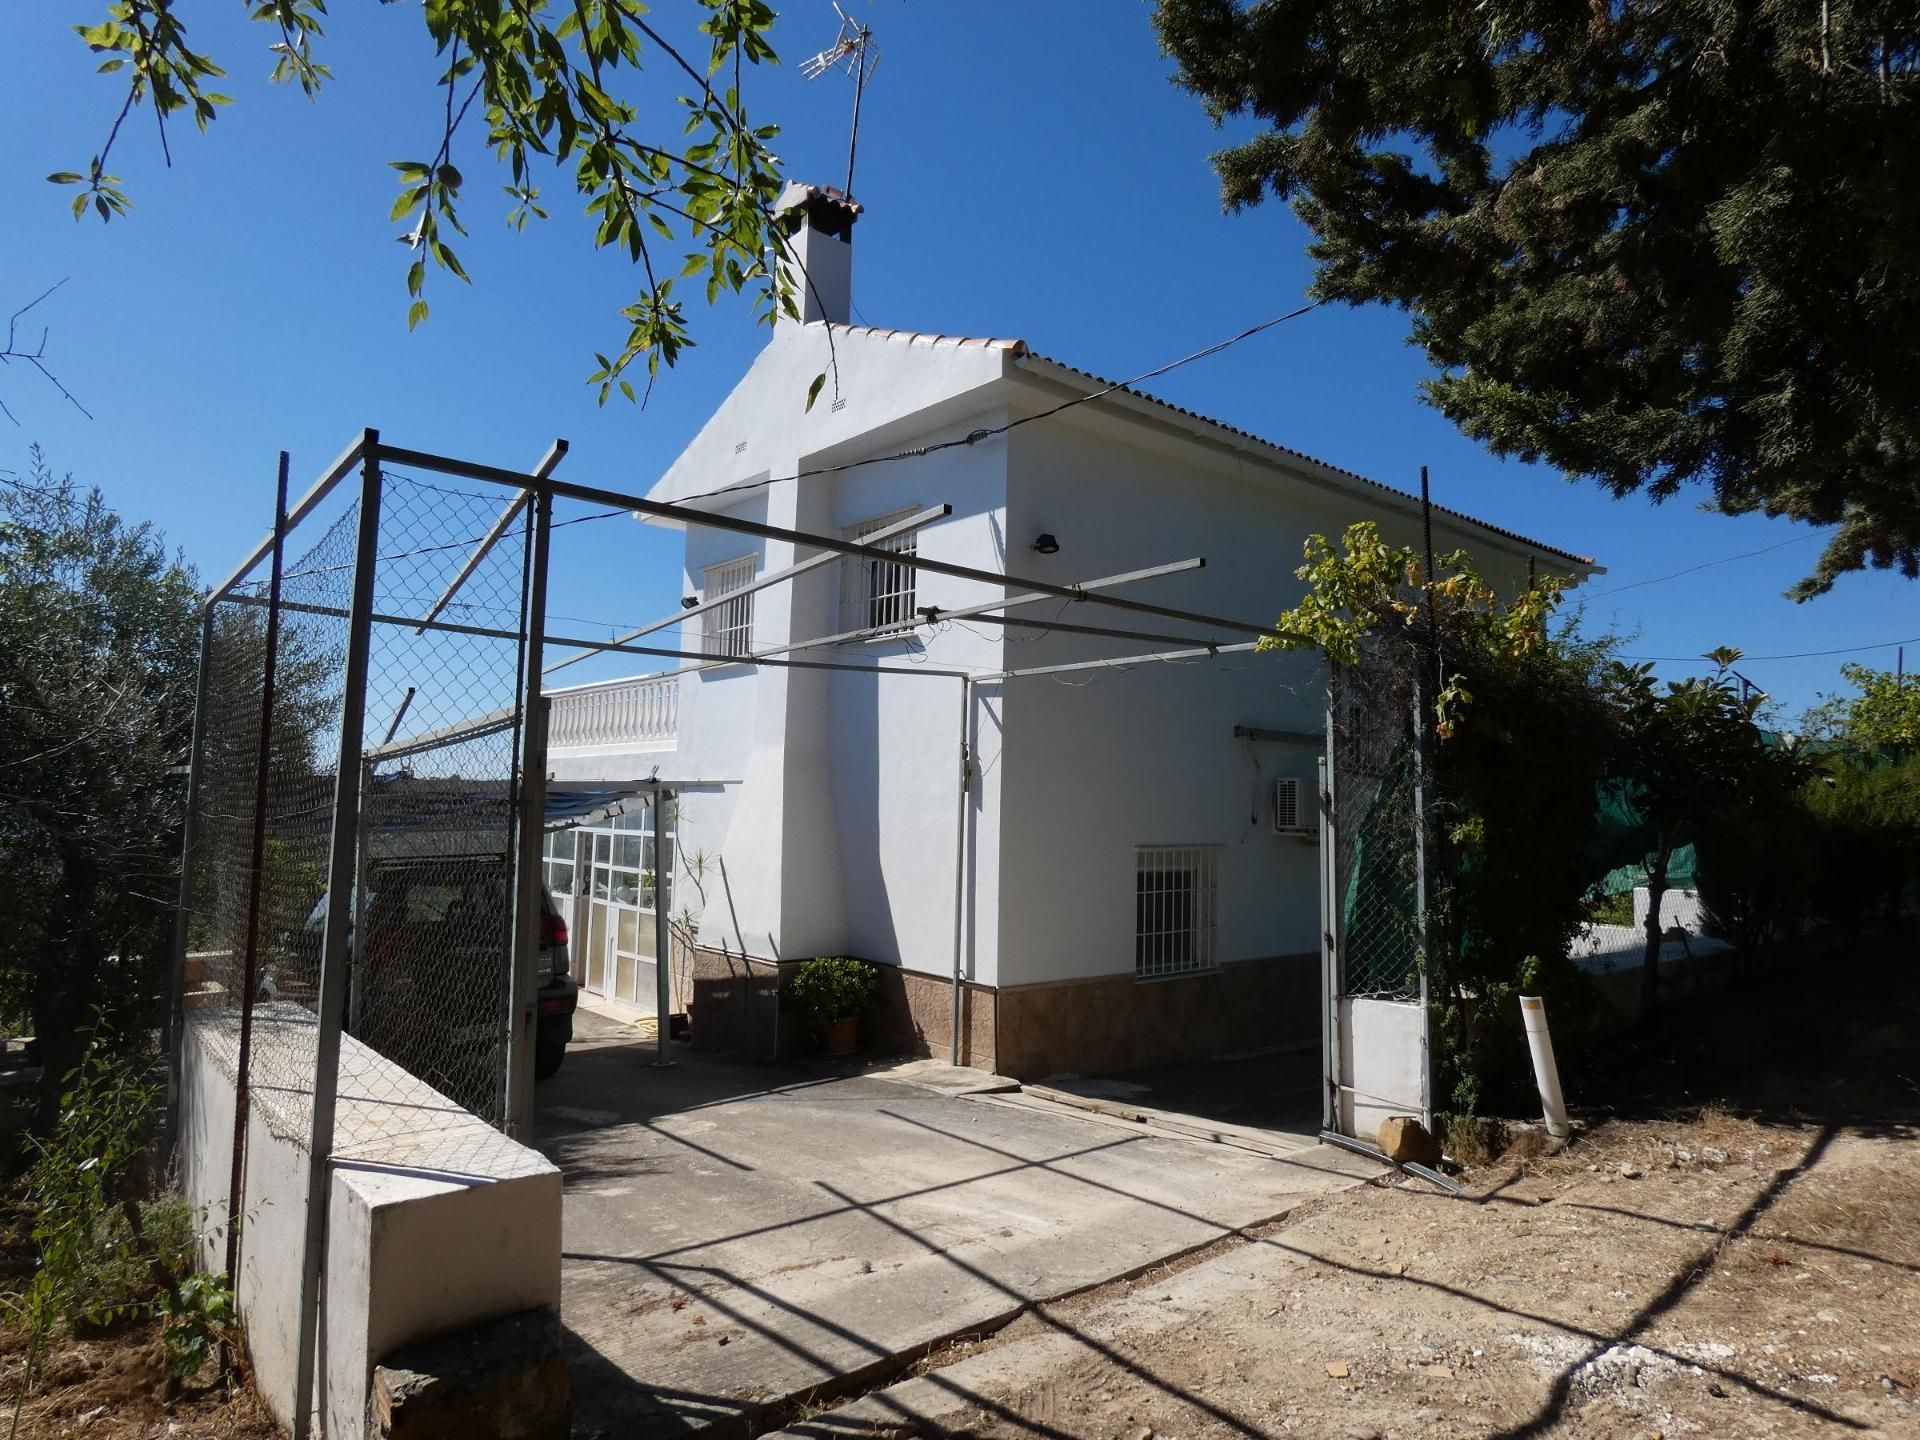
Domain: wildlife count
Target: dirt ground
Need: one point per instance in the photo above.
(1744, 1268)
(1719, 1278)
(114, 1388)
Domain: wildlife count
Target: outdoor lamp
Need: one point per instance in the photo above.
(1045, 544)
(687, 602)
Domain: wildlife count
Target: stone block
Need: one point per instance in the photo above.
(1405, 1140)
(502, 1381)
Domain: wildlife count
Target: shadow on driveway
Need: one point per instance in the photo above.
(743, 1237)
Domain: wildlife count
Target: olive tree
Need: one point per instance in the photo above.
(96, 689)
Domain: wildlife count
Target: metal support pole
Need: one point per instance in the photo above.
(1330, 929)
(663, 975)
(1433, 619)
(359, 966)
(189, 839)
(529, 830)
(960, 855)
(256, 876)
(1420, 904)
(334, 936)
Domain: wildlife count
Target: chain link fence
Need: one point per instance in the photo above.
(1375, 767)
(429, 992)
(293, 830)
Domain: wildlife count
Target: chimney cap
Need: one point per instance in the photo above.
(827, 208)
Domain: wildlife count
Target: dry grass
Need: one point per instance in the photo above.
(115, 1387)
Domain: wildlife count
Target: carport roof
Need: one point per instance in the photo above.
(437, 803)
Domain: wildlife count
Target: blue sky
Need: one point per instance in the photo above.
(1029, 170)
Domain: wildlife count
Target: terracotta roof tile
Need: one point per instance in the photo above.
(801, 190)
(927, 337)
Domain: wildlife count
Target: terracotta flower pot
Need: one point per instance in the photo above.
(843, 1036)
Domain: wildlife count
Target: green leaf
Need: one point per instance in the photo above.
(416, 312)
(66, 177)
(813, 390)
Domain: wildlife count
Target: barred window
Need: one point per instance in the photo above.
(1176, 910)
(727, 629)
(879, 592)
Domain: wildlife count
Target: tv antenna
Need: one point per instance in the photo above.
(853, 52)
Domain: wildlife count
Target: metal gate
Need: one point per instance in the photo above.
(1375, 1036)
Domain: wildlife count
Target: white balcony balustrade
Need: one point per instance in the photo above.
(640, 712)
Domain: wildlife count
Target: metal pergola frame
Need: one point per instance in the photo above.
(369, 456)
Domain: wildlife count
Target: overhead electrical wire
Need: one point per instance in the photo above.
(1703, 565)
(1796, 655)
(912, 453)
(973, 437)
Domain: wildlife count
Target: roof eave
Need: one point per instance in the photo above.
(1040, 371)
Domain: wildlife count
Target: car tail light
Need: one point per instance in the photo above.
(553, 931)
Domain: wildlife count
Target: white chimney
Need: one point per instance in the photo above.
(822, 249)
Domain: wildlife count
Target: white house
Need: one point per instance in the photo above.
(1116, 890)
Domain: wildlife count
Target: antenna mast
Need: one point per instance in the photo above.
(854, 52)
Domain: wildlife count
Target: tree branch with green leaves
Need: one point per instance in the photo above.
(1654, 246)
(552, 87)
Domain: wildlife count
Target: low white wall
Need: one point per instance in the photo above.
(1677, 907)
(1383, 1059)
(436, 1221)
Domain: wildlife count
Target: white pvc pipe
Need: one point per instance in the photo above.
(1546, 1074)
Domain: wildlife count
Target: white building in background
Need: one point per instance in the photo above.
(1131, 888)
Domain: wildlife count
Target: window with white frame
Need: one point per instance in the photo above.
(1176, 910)
(879, 592)
(556, 849)
(727, 629)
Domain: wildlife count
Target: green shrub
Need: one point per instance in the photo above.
(199, 1314)
(833, 987)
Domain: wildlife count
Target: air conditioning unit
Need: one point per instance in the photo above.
(1289, 818)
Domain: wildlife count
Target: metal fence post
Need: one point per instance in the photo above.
(1330, 929)
(1420, 904)
(529, 831)
(662, 948)
(335, 937)
(176, 1032)
(256, 877)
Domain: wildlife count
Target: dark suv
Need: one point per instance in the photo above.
(430, 972)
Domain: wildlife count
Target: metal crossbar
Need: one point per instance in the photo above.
(772, 577)
(880, 590)
(593, 495)
(398, 901)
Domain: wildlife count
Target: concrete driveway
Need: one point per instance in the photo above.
(740, 1238)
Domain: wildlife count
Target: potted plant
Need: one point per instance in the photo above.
(835, 991)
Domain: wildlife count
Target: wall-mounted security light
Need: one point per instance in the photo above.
(687, 602)
(1045, 544)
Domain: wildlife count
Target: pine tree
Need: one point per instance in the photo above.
(1654, 245)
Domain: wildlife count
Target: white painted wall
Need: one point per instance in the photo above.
(436, 1221)
(893, 740)
(840, 836)
(1101, 762)
(814, 751)
(1677, 907)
